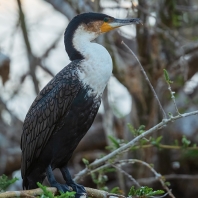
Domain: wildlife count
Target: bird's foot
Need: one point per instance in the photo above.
(61, 187)
(79, 189)
(54, 183)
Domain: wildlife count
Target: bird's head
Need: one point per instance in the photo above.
(88, 26)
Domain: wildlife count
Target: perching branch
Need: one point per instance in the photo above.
(37, 192)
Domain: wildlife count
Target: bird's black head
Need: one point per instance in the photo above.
(88, 26)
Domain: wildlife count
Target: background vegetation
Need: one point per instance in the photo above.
(32, 52)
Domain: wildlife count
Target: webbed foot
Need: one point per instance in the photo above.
(54, 183)
(70, 184)
(79, 189)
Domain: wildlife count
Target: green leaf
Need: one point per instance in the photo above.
(46, 193)
(114, 141)
(49, 194)
(115, 190)
(67, 195)
(5, 182)
(85, 161)
(132, 129)
(166, 76)
(168, 183)
(141, 129)
(132, 191)
(185, 142)
(144, 191)
(156, 142)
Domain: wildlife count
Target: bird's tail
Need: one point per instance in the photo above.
(31, 183)
(25, 183)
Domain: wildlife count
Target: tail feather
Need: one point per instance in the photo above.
(31, 182)
(25, 183)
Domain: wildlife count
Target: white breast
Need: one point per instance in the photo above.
(97, 65)
(97, 68)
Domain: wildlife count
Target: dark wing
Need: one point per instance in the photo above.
(49, 106)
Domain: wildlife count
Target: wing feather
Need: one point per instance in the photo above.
(49, 106)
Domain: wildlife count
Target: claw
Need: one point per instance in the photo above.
(79, 189)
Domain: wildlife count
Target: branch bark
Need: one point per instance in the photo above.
(36, 192)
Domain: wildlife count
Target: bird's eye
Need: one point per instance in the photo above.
(106, 19)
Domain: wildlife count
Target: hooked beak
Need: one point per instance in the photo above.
(115, 23)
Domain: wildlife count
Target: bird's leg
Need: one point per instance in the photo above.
(54, 183)
(79, 189)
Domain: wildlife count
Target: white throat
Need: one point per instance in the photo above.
(97, 65)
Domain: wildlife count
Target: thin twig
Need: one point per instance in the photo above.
(126, 174)
(149, 180)
(173, 98)
(157, 175)
(146, 77)
(31, 58)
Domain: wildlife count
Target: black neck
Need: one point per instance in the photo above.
(71, 51)
(71, 28)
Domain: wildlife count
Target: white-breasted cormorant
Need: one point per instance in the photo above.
(64, 110)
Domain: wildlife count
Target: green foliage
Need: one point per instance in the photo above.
(170, 114)
(166, 76)
(185, 142)
(116, 190)
(167, 183)
(115, 143)
(100, 180)
(156, 142)
(5, 182)
(48, 194)
(85, 161)
(134, 131)
(144, 192)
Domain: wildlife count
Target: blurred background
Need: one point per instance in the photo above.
(32, 52)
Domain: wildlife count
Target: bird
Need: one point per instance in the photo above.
(65, 108)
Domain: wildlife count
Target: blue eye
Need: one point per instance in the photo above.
(106, 19)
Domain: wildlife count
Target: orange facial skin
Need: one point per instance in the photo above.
(106, 27)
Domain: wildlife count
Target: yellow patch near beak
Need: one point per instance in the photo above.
(106, 27)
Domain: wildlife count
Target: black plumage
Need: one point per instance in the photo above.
(64, 110)
(60, 115)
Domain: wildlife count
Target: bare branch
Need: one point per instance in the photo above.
(97, 163)
(147, 181)
(127, 175)
(147, 79)
(32, 66)
(63, 7)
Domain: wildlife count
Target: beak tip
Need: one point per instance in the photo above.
(137, 21)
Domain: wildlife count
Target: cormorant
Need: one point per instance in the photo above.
(64, 110)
